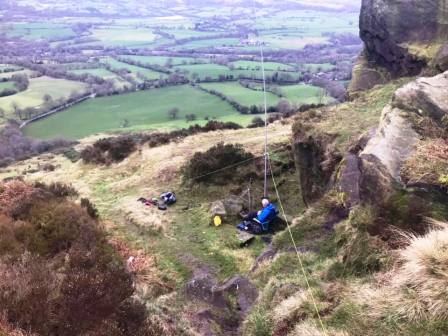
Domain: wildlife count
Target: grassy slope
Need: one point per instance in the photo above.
(144, 109)
(342, 265)
(173, 236)
(349, 120)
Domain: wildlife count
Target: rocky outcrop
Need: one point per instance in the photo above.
(441, 61)
(400, 132)
(315, 163)
(377, 165)
(228, 303)
(394, 142)
(401, 38)
(366, 74)
(427, 97)
(349, 179)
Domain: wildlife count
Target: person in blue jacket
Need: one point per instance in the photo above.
(258, 222)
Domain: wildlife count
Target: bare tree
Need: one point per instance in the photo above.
(191, 117)
(284, 107)
(172, 113)
(47, 98)
(17, 111)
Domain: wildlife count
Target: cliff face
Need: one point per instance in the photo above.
(402, 38)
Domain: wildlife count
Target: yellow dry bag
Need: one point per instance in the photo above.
(217, 220)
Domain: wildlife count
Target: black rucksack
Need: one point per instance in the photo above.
(168, 197)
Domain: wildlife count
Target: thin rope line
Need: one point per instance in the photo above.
(265, 123)
(234, 165)
(225, 168)
(260, 43)
(297, 251)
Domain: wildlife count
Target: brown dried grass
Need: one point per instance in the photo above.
(416, 288)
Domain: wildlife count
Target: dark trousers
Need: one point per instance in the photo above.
(251, 216)
(254, 227)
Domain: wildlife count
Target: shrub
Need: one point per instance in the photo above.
(121, 149)
(16, 196)
(53, 227)
(115, 149)
(8, 242)
(92, 154)
(72, 155)
(69, 281)
(15, 146)
(87, 296)
(107, 151)
(90, 208)
(256, 122)
(58, 189)
(217, 157)
(26, 289)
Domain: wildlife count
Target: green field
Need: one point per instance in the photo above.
(33, 96)
(186, 33)
(270, 66)
(143, 110)
(206, 70)
(6, 85)
(242, 95)
(26, 72)
(211, 43)
(119, 82)
(309, 22)
(213, 71)
(296, 94)
(305, 94)
(163, 60)
(124, 36)
(284, 41)
(9, 68)
(98, 72)
(36, 31)
(149, 74)
(318, 67)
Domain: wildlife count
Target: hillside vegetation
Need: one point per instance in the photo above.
(361, 186)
